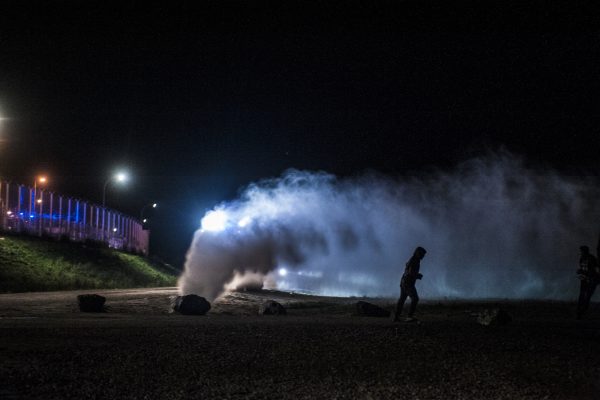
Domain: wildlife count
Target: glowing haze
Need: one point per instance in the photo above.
(492, 227)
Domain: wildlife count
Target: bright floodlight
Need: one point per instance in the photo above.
(244, 221)
(214, 221)
(154, 205)
(282, 271)
(121, 177)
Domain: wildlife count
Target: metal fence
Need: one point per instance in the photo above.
(38, 212)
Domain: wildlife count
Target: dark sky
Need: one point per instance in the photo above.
(200, 98)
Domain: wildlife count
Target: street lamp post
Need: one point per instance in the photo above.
(119, 177)
(40, 202)
(42, 180)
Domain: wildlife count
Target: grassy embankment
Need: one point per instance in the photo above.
(32, 264)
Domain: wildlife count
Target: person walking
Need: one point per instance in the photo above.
(407, 285)
(589, 275)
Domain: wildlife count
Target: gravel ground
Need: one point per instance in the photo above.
(138, 350)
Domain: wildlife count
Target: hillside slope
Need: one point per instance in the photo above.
(32, 264)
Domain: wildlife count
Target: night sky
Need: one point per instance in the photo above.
(198, 99)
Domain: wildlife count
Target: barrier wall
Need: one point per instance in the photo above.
(38, 212)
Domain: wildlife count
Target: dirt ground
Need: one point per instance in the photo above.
(320, 350)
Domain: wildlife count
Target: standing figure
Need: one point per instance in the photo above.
(407, 285)
(589, 274)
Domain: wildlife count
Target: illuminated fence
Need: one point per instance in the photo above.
(43, 213)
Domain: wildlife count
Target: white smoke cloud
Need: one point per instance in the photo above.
(493, 228)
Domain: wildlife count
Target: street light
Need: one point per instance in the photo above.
(153, 205)
(145, 220)
(119, 177)
(42, 180)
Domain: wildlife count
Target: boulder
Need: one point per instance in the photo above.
(366, 309)
(272, 307)
(91, 303)
(191, 304)
(493, 317)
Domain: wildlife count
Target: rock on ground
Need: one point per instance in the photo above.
(191, 304)
(272, 307)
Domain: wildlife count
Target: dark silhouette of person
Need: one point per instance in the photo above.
(407, 285)
(589, 274)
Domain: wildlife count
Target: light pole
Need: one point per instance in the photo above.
(42, 180)
(39, 201)
(119, 177)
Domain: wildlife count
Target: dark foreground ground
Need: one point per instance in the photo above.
(138, 350)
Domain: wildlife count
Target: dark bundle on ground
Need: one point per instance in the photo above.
(191, 304)
(366, 309)
(91, 303)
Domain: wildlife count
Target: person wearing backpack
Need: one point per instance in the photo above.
(407, 285)
(589, 275)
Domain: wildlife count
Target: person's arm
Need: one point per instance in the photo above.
(412, 269)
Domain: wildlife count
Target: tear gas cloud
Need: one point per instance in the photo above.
(493, 228)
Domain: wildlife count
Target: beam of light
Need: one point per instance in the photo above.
(214, 221)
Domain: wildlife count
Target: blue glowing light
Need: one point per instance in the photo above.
(244, 221)
(214, 221)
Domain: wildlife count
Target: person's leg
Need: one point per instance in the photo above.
(400, 304)
(589, 292)
(584, 298)
(592, 290)
(414, 300)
